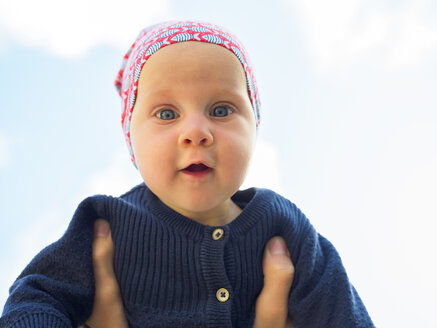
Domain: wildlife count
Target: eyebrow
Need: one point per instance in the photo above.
(164, 92)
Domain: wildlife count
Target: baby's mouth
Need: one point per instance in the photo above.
(197, 170)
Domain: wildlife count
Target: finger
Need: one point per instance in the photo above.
(272, 303)
(108, 306)
(103, 259)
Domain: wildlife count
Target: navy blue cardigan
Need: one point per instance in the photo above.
(170, 267)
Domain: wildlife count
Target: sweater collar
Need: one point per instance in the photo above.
(253, 202)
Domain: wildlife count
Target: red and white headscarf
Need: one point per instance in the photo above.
(160, 35)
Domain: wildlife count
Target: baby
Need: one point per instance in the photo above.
(188, 244)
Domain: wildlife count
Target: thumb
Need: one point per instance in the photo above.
(103, 256)
(272, 303)
(108, 305)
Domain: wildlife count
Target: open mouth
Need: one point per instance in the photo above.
(197, 170)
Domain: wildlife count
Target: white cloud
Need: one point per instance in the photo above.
(264, 171)
(417, 36)
(341, 32)
(70, 28)
(117, 178)
(4, 151)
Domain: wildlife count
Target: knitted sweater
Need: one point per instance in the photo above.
(175, 272)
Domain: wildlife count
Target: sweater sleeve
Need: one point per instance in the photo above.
(57, 288)
(321, 294)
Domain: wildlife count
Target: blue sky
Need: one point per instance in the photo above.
(347, 132)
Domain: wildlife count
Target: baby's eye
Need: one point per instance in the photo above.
(221, 111)
(167, 114)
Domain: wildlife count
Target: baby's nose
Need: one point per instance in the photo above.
(196, 132)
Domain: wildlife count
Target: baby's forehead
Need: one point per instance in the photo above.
(192, 57)
(192, 66)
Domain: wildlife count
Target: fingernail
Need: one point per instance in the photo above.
(101, 228)
(277, 247)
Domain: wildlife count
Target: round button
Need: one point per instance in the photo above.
(222, 295)
(217, 234)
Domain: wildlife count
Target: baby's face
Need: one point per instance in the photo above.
(193, 128)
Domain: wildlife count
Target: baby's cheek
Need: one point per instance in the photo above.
(237, 158)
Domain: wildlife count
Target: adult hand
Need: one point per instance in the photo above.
(271, 305)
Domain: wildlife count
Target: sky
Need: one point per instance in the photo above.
(349, 110)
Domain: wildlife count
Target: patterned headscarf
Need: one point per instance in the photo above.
(160, 35)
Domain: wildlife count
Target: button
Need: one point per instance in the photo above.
(217, 234)
(222, 295)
